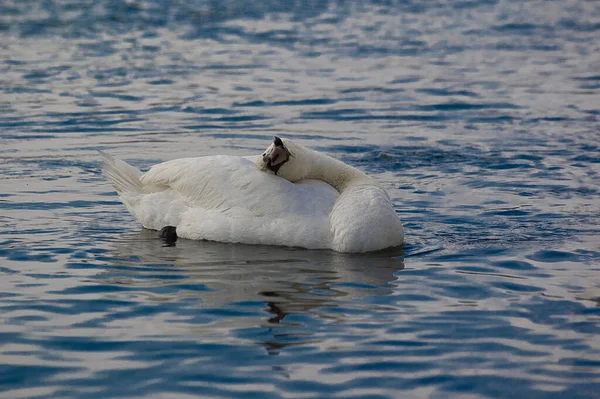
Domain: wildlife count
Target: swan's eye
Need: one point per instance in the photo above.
(275, 158)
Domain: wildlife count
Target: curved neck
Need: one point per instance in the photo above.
(336, 173)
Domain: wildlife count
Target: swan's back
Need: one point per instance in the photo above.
(222, 182)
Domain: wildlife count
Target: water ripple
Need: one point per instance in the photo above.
(479, 117)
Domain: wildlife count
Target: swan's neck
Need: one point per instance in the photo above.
(336, 173)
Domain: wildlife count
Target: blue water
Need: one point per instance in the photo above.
(481, 118)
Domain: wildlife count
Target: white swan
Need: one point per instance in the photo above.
(309, 200)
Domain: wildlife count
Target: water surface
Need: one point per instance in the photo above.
(480, 118)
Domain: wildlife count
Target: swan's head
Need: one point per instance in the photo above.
(275, 156)
(286, 159)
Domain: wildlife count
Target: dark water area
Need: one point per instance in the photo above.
(481, 118)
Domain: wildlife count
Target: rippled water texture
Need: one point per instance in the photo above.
(480, 117)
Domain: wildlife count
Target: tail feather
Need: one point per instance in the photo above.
(125, 178)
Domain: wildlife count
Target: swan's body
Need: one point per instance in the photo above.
(316, 202)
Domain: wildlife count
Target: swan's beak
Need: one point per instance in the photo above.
(275, 156)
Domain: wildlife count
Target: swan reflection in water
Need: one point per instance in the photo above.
(280, 281)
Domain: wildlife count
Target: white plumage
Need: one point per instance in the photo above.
(315, 202)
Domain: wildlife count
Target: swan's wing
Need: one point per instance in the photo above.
(166, 173)
(226, 182)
